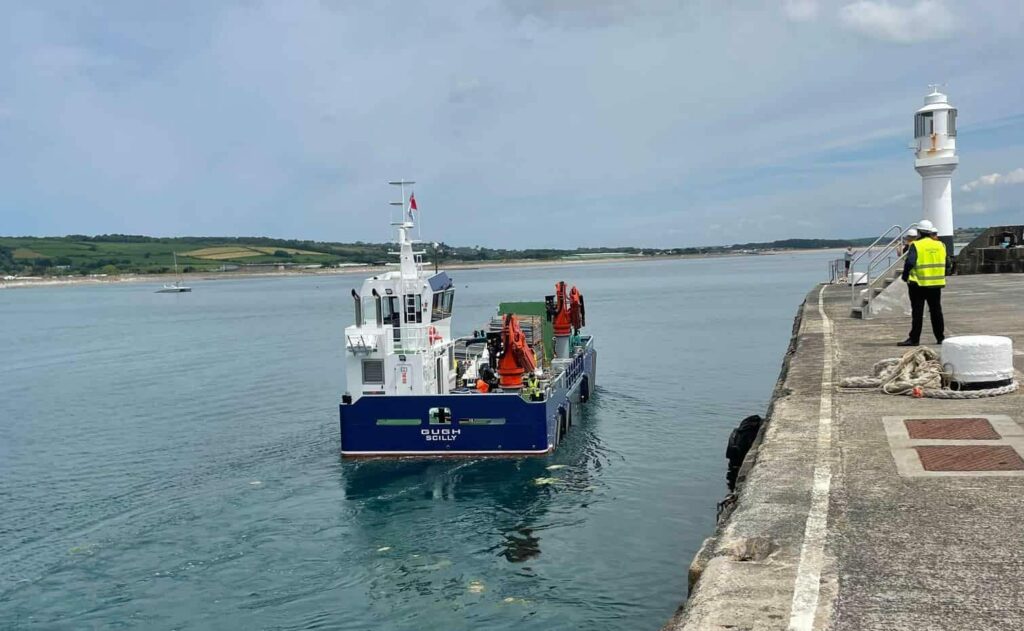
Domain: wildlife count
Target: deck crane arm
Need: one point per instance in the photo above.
(516, 357)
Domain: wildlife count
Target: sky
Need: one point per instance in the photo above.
(525, 123)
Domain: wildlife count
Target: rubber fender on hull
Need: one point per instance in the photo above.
(562, 425)
(585, 389)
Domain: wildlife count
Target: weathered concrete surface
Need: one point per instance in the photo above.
(824, 514)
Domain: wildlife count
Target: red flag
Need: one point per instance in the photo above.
(412, 201)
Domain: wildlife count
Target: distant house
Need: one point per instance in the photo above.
(265, 267)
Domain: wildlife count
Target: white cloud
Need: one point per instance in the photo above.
(924, 20)
(801, 10)
(995, 179)
(183, 119)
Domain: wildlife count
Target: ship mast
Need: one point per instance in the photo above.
(409, 265)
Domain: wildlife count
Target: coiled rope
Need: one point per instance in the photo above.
(918, 373)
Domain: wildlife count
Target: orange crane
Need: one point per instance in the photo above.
(567, 314)
(577, 310)
(515, 357)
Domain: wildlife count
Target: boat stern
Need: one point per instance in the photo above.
(468, 424)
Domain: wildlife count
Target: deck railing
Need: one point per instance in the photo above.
(572, 369)
(410, 338)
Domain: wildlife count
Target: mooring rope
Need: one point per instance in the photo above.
(918, 373)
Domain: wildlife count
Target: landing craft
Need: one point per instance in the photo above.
(415, 390)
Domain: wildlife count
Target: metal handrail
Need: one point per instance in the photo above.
(873, 244)
(588, 341)
(416, 338)
(834, 275)
(883, 255)
(866, 308)
(894, 238)
(892, 265)
(413, 338)
(887, 251)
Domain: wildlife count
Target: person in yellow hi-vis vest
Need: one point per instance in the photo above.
(924, 271)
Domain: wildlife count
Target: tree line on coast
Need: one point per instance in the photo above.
(138, 254)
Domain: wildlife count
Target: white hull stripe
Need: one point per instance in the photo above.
(446, 453)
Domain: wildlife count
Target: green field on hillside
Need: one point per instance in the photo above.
(144, 255)
(119, 254)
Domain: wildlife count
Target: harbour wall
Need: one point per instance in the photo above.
(859, 510)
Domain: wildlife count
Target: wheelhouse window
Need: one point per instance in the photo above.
(391, 313)
(436, 304)
(449, 302)
(441, 305)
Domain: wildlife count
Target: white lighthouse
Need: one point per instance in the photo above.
(935, 147)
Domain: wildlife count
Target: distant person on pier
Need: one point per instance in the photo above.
(848, 259)
(924, 271)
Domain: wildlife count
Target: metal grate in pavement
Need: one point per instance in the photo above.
(951, 429)
(970, 458)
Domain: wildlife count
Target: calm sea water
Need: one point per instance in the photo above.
(172, 461)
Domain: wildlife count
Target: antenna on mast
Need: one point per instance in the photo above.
(406, 215)
(408, 262)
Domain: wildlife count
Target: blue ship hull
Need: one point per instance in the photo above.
(479, 424)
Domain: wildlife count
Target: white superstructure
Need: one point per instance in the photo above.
(936, 159)
(401, 342)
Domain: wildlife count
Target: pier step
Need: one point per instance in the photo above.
(870, 293)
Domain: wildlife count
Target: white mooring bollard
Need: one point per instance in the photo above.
(978, 361)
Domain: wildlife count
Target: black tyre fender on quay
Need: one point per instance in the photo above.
(562, 423)
(585, 389)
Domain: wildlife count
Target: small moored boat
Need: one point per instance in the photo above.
(178, 286)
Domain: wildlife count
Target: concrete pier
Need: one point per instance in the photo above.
(848, 516)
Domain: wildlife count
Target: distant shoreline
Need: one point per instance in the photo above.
(70, 281)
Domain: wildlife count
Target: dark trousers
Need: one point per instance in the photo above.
(918, 297)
